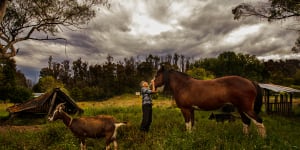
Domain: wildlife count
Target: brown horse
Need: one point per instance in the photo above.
(191, 94)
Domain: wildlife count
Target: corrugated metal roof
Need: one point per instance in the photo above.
(278, 88)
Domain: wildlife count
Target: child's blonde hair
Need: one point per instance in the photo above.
(143, 83)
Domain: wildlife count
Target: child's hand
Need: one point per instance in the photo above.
(153, 86)
(152, 81)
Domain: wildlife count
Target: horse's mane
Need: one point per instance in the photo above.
(167, 79)
(181, 73)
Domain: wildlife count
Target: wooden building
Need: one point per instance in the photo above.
(278, 99)
(45, 104)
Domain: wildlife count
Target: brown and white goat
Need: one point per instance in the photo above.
(89, 127)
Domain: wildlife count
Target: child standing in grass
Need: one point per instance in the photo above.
(146, 105)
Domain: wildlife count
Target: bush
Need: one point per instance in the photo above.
(297, 110)
(76, 93)
(16, 94)
(87, 93)
(21, 94)
(92, 93)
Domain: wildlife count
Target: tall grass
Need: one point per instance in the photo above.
(167, 131)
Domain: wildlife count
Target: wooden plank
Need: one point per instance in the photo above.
(52, 103)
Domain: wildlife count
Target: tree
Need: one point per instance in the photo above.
(48, 83)
(25, 17)
(13, 85)
(296, 48)
(65, 72)
(297, 77)
(3, 5)
(200, 74)
(272, 10)
(229, 63)
(49, 71)
(8, 68)
(109, 76)
(283, 72)
(80, 73)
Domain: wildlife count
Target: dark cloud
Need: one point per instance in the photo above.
(194, 28)
(159, 10)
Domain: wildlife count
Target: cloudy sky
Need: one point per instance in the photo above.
(194, 28)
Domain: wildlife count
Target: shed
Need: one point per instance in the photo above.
(45, 104)
(278, 99)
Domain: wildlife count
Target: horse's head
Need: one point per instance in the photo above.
(160, 77)
(56, 113)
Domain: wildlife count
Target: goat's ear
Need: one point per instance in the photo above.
(60, 106)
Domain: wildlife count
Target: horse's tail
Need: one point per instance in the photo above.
(258, 100)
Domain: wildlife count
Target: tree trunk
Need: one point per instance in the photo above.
(3, 5)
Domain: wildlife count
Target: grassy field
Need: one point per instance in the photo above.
(167, 130)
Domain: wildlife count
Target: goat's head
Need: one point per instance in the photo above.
(56, 113)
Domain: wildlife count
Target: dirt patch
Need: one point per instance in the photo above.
(7, 128)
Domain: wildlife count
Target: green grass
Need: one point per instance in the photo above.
(167, 131)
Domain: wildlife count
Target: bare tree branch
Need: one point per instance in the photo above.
(23, 18)
(273, 10)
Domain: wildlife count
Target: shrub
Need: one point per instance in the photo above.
(76, 93)
(16, 94)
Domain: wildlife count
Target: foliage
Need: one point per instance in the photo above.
(102, 81)
(296, 48)
(48, 83)
(13, 86)
(229, 63)
(25, 17)
(200, 74)
(17, 94)
(8, 72)
(272, 10)
(93, 93)
(97, 82)
(283, 72)
(76, 93)
(297, 77)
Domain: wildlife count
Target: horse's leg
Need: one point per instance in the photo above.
(187, 113)
(258, 122)
(192, 117)
(246, 123)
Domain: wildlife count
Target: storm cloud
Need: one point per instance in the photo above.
(194, 28)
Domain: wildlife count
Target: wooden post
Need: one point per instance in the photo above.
(52, 103)
(281, 103)
(268, 101)
(276, 103)
(291, 104)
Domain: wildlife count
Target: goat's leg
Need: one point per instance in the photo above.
(108, 141)
(107, 146)
(115, 145)
(82, 144)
